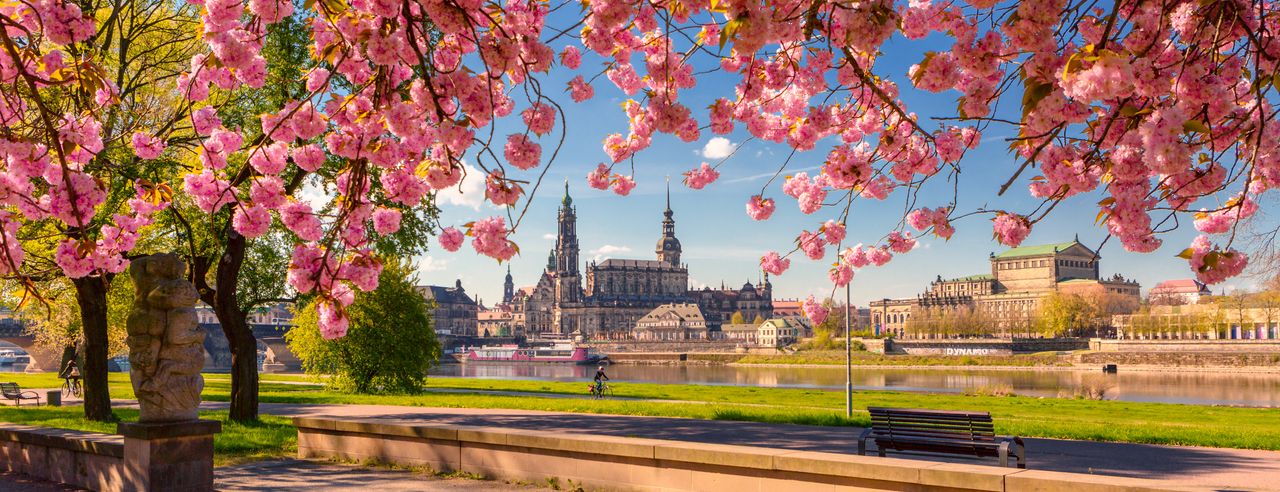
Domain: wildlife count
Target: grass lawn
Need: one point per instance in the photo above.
(1153, 423)
(272, 437)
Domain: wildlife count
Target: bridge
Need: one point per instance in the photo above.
(270, 340)
(42, 359)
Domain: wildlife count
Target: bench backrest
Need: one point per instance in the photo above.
(9, 389)
(906, 428)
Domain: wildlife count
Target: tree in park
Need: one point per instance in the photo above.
(1163, 107)
(77, 88)
(390, 344)
(737, 318)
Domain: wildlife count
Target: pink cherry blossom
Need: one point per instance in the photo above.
(252, 221)
(490, 238)
(386, 221)
(774, 264)
(760, 208)
(814, 311)
(599, 178)
(834, 231)
(1011, 229)
(450, 239)
(146, 147)
(701, 176)
(522, 152)
(622, 185)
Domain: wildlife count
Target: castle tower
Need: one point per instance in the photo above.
(668, 249)
(508, 288)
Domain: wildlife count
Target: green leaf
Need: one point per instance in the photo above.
(1033, 92)
(924, 65)
(1195, 126)
(1186, 254)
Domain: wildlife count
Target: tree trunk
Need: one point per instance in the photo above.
(91, 295)
(235, 325)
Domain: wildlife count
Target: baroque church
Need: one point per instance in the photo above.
(604, 300)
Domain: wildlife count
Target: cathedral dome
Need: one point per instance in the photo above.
(668, 244)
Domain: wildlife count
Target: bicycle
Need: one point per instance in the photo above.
(603, 391)
(71, 386)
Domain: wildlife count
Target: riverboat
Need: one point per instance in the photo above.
(8, 357)
(559, 353)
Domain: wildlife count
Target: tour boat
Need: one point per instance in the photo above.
(559, 353)
(8, 357)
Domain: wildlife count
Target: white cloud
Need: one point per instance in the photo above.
(718, 148)
(609, 249)
(468, 193)
(600, 253)
(431, 264)
(549, 236)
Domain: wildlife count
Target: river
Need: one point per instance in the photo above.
(1197, 388)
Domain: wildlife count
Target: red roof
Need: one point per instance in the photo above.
(1180, 286)
(785, 308)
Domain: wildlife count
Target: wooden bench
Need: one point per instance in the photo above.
(11, 391)
(908, 430)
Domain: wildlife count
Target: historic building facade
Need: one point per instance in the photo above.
(1009, 296)
(453, 312)
(605, 299)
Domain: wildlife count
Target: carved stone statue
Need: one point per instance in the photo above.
(166, 348)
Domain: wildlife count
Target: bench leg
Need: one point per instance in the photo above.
(862, 442)
(1021, 451)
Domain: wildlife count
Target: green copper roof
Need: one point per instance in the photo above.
(980, 276)
(567, 201)
(1038, 250)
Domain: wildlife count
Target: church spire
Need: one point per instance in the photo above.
(668, 249)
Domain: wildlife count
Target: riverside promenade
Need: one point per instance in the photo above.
(1173, 466)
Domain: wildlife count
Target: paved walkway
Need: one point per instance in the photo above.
(293, 475)
(1173, 465)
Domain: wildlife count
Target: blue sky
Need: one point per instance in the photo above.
(721, 243)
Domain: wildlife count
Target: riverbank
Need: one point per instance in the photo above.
(1074, 361)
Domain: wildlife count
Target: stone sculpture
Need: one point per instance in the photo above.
(166, 349)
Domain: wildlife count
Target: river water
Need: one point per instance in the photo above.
(1198, 388)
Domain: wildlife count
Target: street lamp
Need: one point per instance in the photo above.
(848, 356)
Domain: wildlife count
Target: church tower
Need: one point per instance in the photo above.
(668, 249)
(508, 288)
(568, 287)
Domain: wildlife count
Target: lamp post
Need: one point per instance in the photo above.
(848, 357)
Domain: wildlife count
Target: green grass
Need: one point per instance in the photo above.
(1153, 423)
(1119, 421)
(837, 357)
(271, 437)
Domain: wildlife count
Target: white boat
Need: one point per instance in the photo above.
(8, 357)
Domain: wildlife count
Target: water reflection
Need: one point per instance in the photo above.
(1200, 388)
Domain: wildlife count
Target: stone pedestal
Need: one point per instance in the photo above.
(169, 456)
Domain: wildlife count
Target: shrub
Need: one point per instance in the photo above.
(390, 344)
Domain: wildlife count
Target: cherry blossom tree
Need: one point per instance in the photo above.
(1164, 107)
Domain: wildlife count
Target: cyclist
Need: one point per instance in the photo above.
(600, 378)
(71, 375)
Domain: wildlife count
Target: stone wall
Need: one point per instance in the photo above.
(1183, 359)
(619, 463)
(994, 346)
(86, 460)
